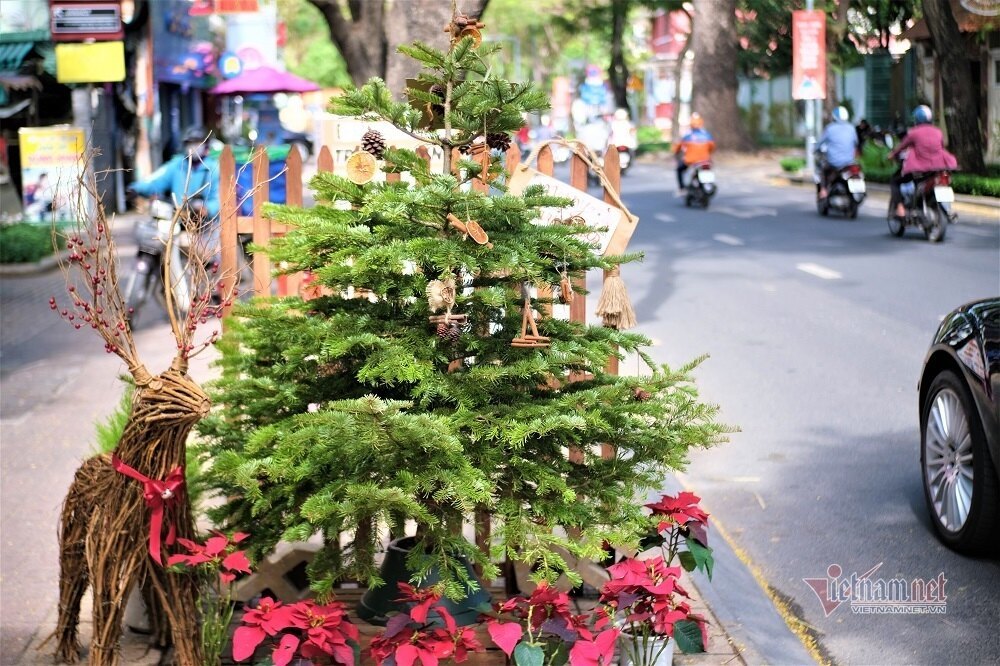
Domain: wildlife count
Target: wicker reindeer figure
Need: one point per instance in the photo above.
(123, 509)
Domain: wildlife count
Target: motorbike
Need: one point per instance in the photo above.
(624, 138)
(154, 235)
(928, 200)
(845, 192)
(701, 185)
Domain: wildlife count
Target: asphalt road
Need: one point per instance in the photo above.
(816, 330)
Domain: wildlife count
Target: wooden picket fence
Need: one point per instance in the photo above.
(264, 229)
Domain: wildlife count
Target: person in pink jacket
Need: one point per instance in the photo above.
(925, 151)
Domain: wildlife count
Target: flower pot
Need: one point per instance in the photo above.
(649, 651)
(377, 603)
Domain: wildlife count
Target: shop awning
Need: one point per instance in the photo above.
(13, 54)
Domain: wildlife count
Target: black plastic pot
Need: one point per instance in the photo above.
(377, 603)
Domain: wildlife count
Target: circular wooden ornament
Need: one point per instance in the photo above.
(361, 167)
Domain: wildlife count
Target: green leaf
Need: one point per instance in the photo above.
(528, 655)
(687, 560)
(702, 557)
(558, 653)
(687, 633)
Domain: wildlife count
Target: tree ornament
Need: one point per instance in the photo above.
(374, 143)
(526, 339)
(565, 291)
(441, 294)
(614, 307)
(470, 228)
(463, 25)
(498, 141)
(361, 167)
(449, 332)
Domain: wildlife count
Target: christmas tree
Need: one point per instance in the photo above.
(406, 397)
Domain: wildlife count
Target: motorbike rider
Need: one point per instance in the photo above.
(839, 144)
(694, 147)
(192, 178)
(924, 151)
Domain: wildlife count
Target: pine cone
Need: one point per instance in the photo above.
(641, 394)
(442, 331)
(498, 140)
(454, 333)
(374, 143)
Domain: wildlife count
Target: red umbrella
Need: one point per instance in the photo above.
(264, 80)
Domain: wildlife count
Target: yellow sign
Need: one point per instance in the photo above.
(51, 165)
(98, 62)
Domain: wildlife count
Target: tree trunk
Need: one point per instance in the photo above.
(836, 31)
(713, 38)
(618, 70)
(360, 37)
(961, 112)
(675, 112)
(369, 37)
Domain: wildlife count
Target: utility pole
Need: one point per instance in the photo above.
(810, 124)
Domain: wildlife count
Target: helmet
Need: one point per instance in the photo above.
(194, 134)
(621, 114)
(841, 114)
(697, 122)
(922, 114)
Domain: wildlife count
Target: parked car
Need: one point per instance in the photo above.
(960, 428)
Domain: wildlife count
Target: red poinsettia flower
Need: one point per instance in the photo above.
(465, 642)
(218, 550)
(424, 598)
(679, 510)
(327, 631)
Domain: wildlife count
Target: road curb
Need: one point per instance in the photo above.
(964, 203)
(759, 625)
(43, 265)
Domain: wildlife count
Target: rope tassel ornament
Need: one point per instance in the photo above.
(614, 307)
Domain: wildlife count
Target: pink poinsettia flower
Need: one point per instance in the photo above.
(594, 652)
(267, 619)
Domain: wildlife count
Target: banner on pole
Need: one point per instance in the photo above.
(808, 54)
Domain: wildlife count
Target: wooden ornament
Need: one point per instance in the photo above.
(361, 167)
(525, 339)
(441, 294)
(470, 31)
(470, 228)
(565, 291)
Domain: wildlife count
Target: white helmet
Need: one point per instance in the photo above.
(841, 114)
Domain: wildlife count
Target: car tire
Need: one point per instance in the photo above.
(965, 511)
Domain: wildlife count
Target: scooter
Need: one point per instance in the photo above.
(154, 236)
(701, 186)
(928, 201)
(846, 191)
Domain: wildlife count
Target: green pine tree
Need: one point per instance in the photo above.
(352, 411)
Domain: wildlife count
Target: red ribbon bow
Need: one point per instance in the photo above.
(158, 496)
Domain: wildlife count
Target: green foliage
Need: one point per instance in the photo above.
(875, 162)
(24, 242)
(779, 120)
(753, 119)
(649, 134)
(792, 164)
(343, 413)
(308, 51)
(968, 183)
(109, 431)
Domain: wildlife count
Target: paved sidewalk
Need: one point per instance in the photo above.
(41, 392)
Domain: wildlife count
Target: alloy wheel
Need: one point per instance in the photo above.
(948, 465)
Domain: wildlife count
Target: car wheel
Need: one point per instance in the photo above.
(960, 483)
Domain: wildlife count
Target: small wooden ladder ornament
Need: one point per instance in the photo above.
(528, 320)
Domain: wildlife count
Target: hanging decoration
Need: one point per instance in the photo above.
(526, 339)
(361, 167)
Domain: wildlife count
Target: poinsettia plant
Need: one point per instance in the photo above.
(542, 630)
(320, 633)
(645, 600)
(427, 633)
(681, 531)
(218, 562)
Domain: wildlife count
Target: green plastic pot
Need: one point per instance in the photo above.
(377, 603)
